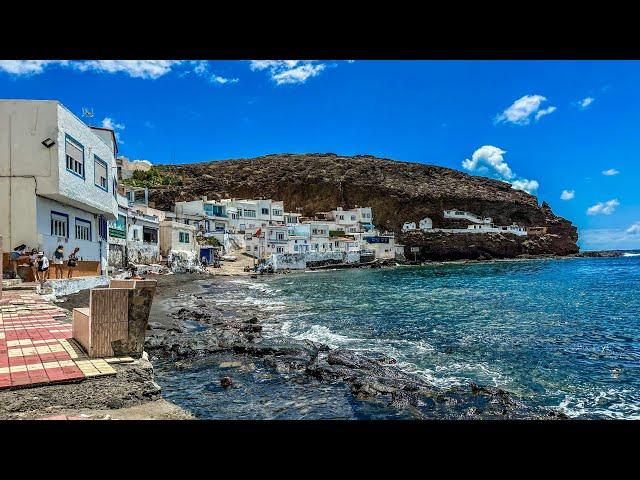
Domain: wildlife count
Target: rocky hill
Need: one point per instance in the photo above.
(397, 191)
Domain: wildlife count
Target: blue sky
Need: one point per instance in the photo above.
(544, 126)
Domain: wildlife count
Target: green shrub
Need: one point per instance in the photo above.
(154, 177)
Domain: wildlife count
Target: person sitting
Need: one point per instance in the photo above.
(42, 273)
(204, 261)
(58, 261)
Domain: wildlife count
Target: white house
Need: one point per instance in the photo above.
(209, 216)
(177, 237)
(383, 245)
(247, 215)
(57, 179)
(462, 215)
(117, 230)
(143, 238)
(408, 226)
(352, 221)
(426, 223)
(490, 228)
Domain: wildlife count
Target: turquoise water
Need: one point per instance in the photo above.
(558, 333)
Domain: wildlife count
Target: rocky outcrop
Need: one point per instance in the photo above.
(370, 376)
(398, 192)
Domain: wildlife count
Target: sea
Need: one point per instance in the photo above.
(557, 333)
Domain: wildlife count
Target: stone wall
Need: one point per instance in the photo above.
(180, 261)
(300, 261)
(141, 252)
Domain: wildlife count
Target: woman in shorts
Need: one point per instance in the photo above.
(15, 255)
(72, 262)
(58, 261)
(43, 267)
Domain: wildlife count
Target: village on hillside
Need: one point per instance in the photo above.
(68, 186)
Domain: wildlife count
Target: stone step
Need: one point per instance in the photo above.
(21, 286)
(9, 282)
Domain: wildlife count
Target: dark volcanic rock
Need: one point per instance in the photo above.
(370, 376)
(398, 192)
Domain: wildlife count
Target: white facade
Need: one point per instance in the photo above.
(177, 237)
(206, 215)
(408, 226)
(249, 215)
(143, 237)
(63, 193)
(462, 215)
(355, 220)
(426, 223)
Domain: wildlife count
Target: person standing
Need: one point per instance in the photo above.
(43, 267)
(58, 261)
(15, 255)
(33, 264)
(72, 262)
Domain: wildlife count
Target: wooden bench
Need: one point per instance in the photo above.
(116, 321)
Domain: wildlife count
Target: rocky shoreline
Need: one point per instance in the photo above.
(194, 332)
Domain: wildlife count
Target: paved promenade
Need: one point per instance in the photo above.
(36, 345)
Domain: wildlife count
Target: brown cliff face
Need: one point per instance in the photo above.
(397, 191)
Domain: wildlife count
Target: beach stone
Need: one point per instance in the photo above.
(226, 382)
(230, 364)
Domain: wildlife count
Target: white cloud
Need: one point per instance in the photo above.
(108, 122)
(585, 102)
(567, 194)
(489, 159)
(223, 80)
(634, 229)
(529, 186)
(201, 67)
(138, 162)
(604, 208)
(288, 71)
(545, 111)
(28, 67)
(149, 124)
(147, 69)
(520, 111)
(611, 172)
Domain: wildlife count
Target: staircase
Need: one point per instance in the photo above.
(18, 284)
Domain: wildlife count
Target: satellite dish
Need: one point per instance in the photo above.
(87, 113)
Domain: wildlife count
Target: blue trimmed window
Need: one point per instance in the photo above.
(83, 229)
(59, 224)
(102, 227)
(100, 173)
(183, 237)
(74, 153)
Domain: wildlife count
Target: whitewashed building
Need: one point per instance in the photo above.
(143, 237)
(358, 219)
(117, 235)
(57, 179)
(426, 224)
(409, 226)
(177, 237)
(249, 215)
(462, 215)
(207, 216)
